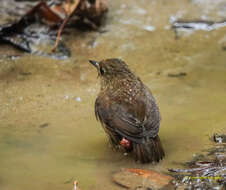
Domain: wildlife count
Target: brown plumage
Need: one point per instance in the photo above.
(127, 111)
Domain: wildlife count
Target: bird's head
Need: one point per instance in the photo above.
(110, 70)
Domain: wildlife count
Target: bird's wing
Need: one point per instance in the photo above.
(134, 121)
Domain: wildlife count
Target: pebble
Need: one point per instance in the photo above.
(146, 179)
(149, 28)
(78, 99)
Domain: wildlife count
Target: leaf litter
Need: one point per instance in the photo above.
(37, 26)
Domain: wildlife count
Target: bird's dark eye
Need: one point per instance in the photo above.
(102, 71)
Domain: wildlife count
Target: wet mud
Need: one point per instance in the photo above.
(48, 132)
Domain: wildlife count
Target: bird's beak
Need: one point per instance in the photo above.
(94, 63)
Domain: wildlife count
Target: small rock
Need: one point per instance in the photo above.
(149, 28)
(66, 97)
(44, 125)
(78, 99)
(142, 179)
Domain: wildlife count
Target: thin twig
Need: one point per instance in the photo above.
(59, 33)
(63, 25)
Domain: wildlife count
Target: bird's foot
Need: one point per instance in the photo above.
(125, 143)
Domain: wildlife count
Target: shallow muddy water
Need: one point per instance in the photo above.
(48, 132)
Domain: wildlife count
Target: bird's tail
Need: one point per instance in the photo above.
(150, 151)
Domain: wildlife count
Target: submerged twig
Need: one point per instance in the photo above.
(71, 11)
(205, 175)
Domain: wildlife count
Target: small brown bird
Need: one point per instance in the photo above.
(127, 111)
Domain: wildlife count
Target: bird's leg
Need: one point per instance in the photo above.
(125, 143)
